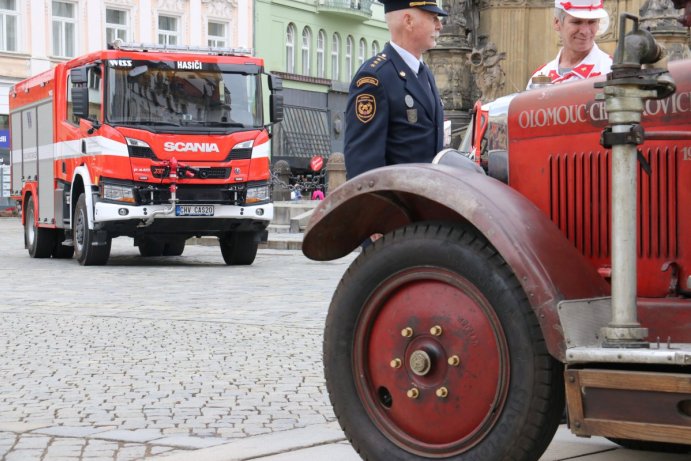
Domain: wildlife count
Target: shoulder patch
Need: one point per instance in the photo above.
(367, 81)
(365, 107)
(378, 59)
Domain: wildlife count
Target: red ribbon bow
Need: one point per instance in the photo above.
(568, 6)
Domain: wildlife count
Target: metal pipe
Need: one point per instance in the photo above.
(624, 274)
(667, 135)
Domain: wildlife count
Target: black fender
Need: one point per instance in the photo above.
(549, 268)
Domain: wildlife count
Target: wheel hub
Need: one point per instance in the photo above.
(420, 362)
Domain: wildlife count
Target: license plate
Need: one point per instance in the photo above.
(194, 210)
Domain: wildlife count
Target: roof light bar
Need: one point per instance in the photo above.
(118, 44)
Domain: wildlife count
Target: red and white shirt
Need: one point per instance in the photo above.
(596, 63)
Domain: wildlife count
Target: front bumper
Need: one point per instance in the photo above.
(124, 219)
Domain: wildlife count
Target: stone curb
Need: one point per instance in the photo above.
(264, 445)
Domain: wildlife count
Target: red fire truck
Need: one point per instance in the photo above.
(158, 144)
(557, 269)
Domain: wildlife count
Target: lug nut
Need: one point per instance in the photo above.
(395, 363)
(407, 332)
(454, 361)
(413, 393)
(442, 392)
(435, 330)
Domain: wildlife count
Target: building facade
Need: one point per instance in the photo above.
(37, 34)
(316, 46)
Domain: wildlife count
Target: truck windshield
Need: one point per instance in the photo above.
(161, 96)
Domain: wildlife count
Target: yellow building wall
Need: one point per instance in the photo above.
(523, 30)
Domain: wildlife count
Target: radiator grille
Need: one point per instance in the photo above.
(580, 193)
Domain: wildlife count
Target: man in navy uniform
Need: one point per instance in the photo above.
(394, 113)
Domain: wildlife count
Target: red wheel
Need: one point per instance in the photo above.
(431, 351)
(416, 354)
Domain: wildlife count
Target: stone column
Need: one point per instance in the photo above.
(281, 181)
(335, 171)
(449, 64)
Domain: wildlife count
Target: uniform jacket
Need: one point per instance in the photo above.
(596, 63)
(390, 118)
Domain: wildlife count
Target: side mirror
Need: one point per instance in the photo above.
(275, 83)
(79, 75)
(80, 92)
(276, 98)
(276, 107)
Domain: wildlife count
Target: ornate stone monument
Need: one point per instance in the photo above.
(466, 66)
(660, 18)
(485, 64)
(449, 63)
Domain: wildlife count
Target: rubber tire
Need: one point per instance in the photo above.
(239, 248)
(151, 247)
(645, 445)
(38, 240)
(86, 253)
(61, 251)
(535, 397)
(174, 247)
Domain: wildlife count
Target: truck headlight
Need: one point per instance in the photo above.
(118, 193)
(257, 194)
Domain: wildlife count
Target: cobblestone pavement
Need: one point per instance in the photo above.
(157, 355)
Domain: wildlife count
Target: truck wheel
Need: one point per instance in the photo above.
(150, 246)
(39, 241)
(87, 254)
(61, 251)
(431, 350)
(646, 445)
(174, 247)
(239, 248)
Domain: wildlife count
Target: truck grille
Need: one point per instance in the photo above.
(204, 173)
(194, 194)
(580, 202)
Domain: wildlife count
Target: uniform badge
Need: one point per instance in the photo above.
(366, 107)
(408, 101)
(412, 115)
(367, 80)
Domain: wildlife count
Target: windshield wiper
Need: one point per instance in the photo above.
(214, 123)
(143, 122)
(153, 122)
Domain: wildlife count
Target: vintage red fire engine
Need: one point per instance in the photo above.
(553, 265)
(156, 144)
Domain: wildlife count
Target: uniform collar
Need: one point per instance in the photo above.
(408, 58)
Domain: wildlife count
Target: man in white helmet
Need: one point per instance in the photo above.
(578, 22)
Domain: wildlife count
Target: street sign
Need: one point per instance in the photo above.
(316, 163)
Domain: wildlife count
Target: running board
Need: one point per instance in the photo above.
(635, 405)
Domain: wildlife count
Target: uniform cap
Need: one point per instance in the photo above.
(431, 6)
(586, 9)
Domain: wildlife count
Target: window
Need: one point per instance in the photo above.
(321, 45)
(167, 30)
(216, 34)
(117, 25)
(362, 52)
(306, 50)
(349, 58)
(290, 49)
(8, 25)
(335, 57)
(64, 29)
(375, 48)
